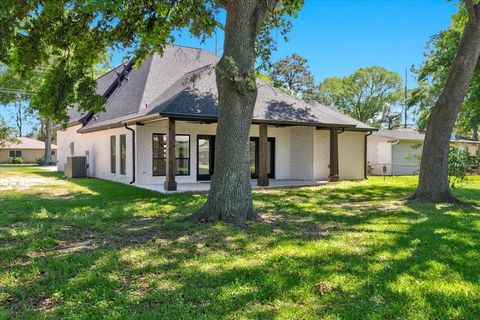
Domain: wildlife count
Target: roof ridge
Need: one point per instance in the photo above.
(196, 48)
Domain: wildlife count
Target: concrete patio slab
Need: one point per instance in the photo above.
(204, 186)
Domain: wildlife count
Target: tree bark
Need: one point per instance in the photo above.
(433, 185)
(19, 117)
(230, 196)
(48, 141)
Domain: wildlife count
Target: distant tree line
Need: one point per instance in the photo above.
(377, 96)
(372, 95)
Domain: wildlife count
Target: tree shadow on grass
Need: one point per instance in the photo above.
(378, 257)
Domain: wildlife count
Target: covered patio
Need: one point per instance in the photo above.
(262, 180)
(204, 186)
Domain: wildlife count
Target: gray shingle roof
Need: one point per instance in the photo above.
(104, 85)
(341, 117)
(401, 134)
(75, 115)
(412, 135)
(182, 83)
(105, 82)
(149, 81)
(195, 95)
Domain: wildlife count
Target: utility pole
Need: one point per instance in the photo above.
(405, 99)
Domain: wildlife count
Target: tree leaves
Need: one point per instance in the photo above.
(292, 73)
(70, 37)
(433, 73)
(367, 95)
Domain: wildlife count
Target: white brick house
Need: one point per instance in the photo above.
(127, 142)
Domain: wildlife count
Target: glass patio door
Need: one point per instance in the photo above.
(206, 154)
(205, 157)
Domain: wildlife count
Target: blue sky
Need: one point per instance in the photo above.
(340, 36)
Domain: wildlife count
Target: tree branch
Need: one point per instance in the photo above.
(269, 8)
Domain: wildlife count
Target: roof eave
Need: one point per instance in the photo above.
(100, 128)
(194, 117)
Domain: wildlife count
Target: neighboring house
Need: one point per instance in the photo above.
(30, 150)
(469, 145)
(176, 93)
(398, 151)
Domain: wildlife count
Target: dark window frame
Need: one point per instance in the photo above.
(188, 159)
(113, 154)
(211, 138)
(123, 154)
(271, 164)
(16, 154)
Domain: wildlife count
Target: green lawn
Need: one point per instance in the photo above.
(91, 249)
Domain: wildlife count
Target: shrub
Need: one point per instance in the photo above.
(458, 165)
(475, 160)
(17, 160)
(40, 161)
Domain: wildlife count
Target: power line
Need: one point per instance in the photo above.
(16, 91)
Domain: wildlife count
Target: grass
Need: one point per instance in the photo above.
(90, 249)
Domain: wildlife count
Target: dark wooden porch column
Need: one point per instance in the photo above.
(333, 176)
(262, 156)
(170, 183)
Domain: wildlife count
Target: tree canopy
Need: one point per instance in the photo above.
(293, 74)
(15, 95)
(68, 38)
(433, 73)
(368, 95)
(5, 133)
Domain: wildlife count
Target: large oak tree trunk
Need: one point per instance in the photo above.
(433, 185)
(230, 197)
